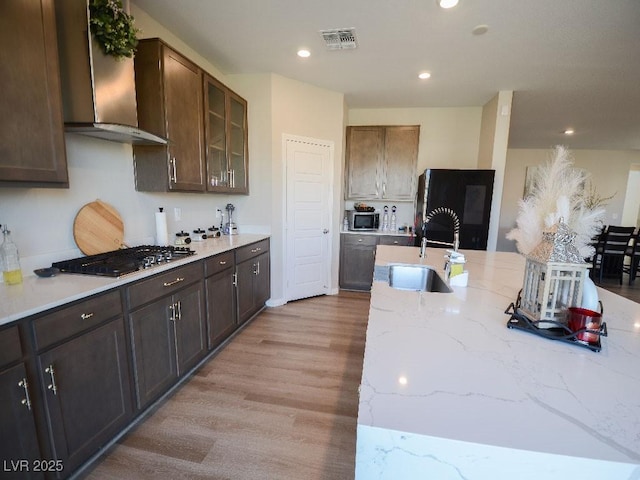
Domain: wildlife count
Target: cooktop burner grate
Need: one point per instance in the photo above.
(121, 262)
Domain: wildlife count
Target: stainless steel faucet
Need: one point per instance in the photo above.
(456, 230)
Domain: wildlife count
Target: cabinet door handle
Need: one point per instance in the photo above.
(384, 189)
(235, 279)
(258, 272)
(178, 310)
(85, 316)
(360, 240)
(177, 280)
(173, 177)
(52, 386)
(325, 231)
(26, 401)
(377, 188)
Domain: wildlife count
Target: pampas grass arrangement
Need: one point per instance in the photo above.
(557, 192)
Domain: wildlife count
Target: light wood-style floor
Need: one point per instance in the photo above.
(278, 402)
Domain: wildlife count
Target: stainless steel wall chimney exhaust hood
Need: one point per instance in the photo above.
(98, 90)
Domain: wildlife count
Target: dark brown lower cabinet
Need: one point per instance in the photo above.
(154, 360)
(85, 386)
(168, 337)
(18, 440)
(254, 287)
(221, 304)
(358, 255)
(91, 366)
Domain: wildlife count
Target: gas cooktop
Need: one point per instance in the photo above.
(123, 261)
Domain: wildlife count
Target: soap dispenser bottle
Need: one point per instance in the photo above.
(11, 271)
(394, 221)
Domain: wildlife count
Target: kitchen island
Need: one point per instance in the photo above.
(449, 392)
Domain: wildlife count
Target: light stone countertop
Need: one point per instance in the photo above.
(37, 294)
(449, 392)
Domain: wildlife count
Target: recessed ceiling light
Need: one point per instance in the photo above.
(569, 131)
(424, 75)
(304, 53)
(447, 3)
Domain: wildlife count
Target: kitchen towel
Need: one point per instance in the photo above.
(162, 233)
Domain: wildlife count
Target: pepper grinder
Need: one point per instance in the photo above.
(393, 227)
(385, 219)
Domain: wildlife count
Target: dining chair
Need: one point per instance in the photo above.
(633, 252)
(609, 260)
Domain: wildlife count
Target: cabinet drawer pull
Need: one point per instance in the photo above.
(222, 262)
(359, 239)
(395, 242)
(52, 386)
(177, 280)
(85, 316)
(255, 250)
(26, 401)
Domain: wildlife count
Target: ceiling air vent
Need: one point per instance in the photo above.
(339, 38)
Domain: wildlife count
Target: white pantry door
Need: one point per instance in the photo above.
(309, 165)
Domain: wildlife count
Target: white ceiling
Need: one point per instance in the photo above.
(571, 63)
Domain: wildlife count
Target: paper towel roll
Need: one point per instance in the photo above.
(162, 233)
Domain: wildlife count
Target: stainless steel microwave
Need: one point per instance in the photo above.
(363, 221)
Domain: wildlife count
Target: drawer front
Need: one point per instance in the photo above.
(76, 318)
(253, 250)
(369, 240)
(403, 241)
(218, 263)
(10, 349)
(163, 284)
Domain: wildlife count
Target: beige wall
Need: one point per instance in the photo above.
(609, 173)
(303, 110)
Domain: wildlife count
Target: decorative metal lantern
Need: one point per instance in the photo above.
(554, 277)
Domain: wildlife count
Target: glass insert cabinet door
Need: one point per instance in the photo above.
(226, 137)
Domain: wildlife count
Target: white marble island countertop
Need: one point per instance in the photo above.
(449, 392)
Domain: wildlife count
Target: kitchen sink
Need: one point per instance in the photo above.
(419, 278)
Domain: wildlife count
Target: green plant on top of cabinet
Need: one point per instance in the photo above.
(168, 329)
(226, 139)
(381, 162)
(32, 148)
(170, 104)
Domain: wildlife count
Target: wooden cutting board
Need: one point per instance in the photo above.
(98, 228)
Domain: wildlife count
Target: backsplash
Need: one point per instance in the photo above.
(41, 219)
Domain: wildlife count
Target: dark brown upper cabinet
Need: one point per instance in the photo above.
(169, 96)
(204, 121)
(32, 148)
(226, 139)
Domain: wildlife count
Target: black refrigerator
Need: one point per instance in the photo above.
(468, 193)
